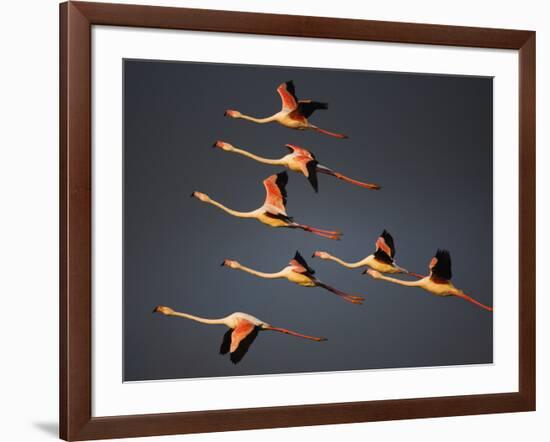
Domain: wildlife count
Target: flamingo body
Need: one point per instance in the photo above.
(301, 161)
(382, 260)
(273, 212)
(243, 329)
(294, 113)
(438, 282)
(297, 272)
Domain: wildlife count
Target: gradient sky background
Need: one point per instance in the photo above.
(426, 139)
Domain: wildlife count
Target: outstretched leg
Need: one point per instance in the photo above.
(293, 333)
(343, 295)
(416, 275)
(473, 301)
(330, 234)
(327, 171)
(326, 132)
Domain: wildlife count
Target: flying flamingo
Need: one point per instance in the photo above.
(382, 260)
(273, 211)
(298, 272)
(294, 113)
(438, 282)
(243, 329)
(299, 160)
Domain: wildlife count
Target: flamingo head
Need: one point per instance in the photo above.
(322, 255)
(230, 263)
(164, 310)
(232, 113)
(374, 273)
(201, 196)
(223, 145)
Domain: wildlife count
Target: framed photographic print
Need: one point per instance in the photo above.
(272, 220)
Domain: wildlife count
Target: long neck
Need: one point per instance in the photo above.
(261, 274)
(276, 162)
(400, 282)
(198, 318)
(349, 265)
(259, 120)
(231, 211)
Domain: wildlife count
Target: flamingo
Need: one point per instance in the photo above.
(298, 272)
(273, 211)
(438, 282)
(243, 329)
(299, 160)
(382, 260)
(294, 113)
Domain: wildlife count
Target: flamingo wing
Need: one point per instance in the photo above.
(440, 265)
(299, 265)
(307, 162)
(307, 107)
(288, 96)
(275, 188)
(226, 342)
(300, 151)
(312, 174)
(243, 329)
(385, 250)
(386, 244)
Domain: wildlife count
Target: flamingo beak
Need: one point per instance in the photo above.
(223, 263)
(225, 114)
(192, 194)
(364, 272)
(163, 309)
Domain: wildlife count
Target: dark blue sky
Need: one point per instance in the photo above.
(426, 139)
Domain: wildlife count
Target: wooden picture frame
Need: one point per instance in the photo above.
(76, 421)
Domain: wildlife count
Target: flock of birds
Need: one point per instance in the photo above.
(243, 327)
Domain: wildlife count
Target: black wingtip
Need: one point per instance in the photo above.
(298, 257)
(443, 266)
(312, 175)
